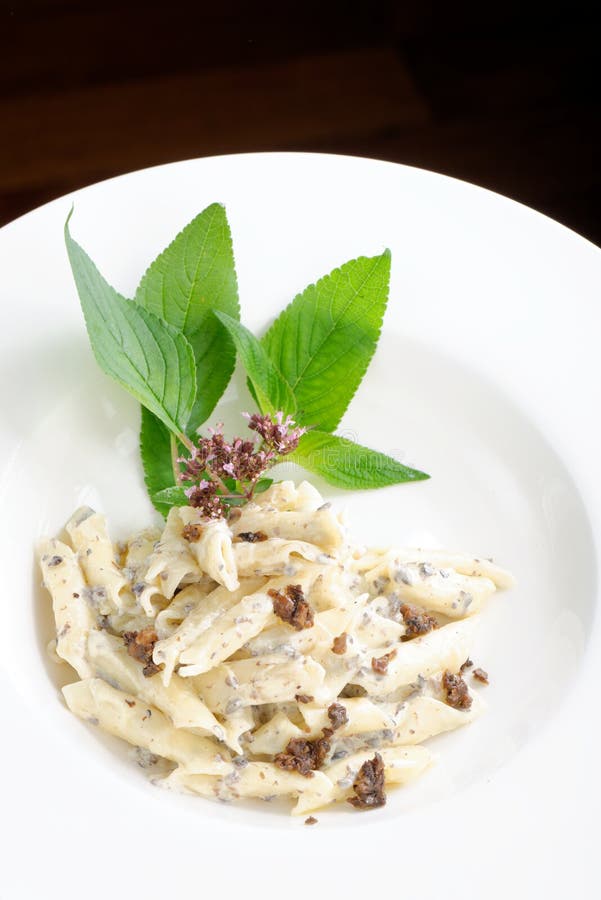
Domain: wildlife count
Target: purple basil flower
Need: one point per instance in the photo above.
(213, 459)
(204, 496)
(279, 434)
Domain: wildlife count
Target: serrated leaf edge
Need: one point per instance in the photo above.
(386, 254)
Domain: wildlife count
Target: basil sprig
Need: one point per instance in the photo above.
(174, 348)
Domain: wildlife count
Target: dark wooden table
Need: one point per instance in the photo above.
(498, 96)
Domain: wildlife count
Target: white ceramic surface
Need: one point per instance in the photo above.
(488, 376)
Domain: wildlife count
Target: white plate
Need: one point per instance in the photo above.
(487, 376)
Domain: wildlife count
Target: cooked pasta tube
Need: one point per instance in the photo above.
(139, 550)
(142, 725)
(73, 615)
(257, 779)
(211, 546)
(89, 536)
(443, 591)
(276, 557)
(200, 619)
(250, 682)
(320, 527)
(444, 648)
(178, 700)
(171, 560)
(401, 766)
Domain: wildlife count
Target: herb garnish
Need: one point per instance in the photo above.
(174, 348)
(323, 341)
(219, 474)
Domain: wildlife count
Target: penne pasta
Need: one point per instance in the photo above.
(200, 619)
(96, 555)
(445, 648)
(211, 546)
(179, 701)
(264, 656)
(73, 614)
(267, 679)
(123, 715)
(320, 527)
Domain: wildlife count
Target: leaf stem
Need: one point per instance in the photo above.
(176, 469)
(223, 487)
(183, 439)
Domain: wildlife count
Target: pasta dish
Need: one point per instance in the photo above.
(268, 655)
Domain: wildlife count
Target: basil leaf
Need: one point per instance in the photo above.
(170, 496)
(155, 450)
(215, 358)
(348, 465)
(186, 282)
(262, 485)
(267, 385)
(323, 341)
(146, 356)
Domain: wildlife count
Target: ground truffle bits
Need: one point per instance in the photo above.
(140, 645)
(290, 605)
(304, 756)
(337, 715)
(480, 675)
(339, 644)
(456, 690)
(369, 785)
(380, 664)
(416, 622)
(192, 533)
(251, 537)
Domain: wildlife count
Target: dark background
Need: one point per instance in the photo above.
(497, 94)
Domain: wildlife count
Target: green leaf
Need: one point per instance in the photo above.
(213, 371)
(155, 450)
(170, 496)
(262, 485)
(194, 276)
(348, 465)
(215, 358)
(145, 355)
(323, 341)
(268, 387)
